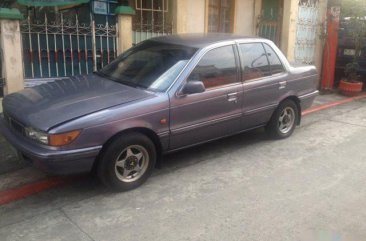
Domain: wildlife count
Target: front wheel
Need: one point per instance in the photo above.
(127, 162)
(283, 120)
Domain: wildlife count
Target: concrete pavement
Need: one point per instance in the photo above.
(310, 186)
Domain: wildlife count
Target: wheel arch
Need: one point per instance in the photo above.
(142, 130)
(296, 100)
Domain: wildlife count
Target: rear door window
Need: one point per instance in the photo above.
(254, 61)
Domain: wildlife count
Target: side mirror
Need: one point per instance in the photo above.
(193, 87)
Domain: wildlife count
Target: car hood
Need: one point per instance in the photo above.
(51, 104)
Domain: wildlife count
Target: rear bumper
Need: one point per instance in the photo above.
(307, 100)
(54, 161)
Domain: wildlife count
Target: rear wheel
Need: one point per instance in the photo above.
(283, 120)
(127, 162)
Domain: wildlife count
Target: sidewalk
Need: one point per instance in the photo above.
(10, 161)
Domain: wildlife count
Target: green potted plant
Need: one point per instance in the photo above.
(354, 12)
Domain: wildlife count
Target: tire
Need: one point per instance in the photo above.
(284, 120)
(127, 162)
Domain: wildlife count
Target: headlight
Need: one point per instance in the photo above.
(52, 139)
(36, 135)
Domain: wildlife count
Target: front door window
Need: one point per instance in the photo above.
(216, 68)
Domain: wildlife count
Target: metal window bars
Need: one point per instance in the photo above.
(151, 20)
(306, 31)
(66, 47)
(269, 29)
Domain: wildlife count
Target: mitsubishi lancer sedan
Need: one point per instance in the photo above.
(162, 95)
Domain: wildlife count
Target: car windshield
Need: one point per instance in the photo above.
(149, 65)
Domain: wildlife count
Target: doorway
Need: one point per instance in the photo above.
(270, 21)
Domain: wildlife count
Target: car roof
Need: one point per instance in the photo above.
(201, 40)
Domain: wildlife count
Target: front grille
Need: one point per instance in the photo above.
(16, 125)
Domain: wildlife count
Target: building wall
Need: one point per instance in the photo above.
(244, 18)
(189, 16)
(288, 35)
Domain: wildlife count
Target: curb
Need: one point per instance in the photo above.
(332, 104)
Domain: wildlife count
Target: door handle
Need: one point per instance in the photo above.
(282, 85)
(232, 97)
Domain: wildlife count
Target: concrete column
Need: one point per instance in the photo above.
(125, 34)
(245, 17)
(288, 36)
(257, 13)
(11, 50)
(320, 40)
(189, 16)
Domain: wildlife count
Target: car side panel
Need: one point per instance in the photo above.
(261, 98)
(302, 82)
(205, 116)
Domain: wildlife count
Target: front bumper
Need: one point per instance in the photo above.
(54, 161)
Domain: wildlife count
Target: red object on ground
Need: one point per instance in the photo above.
(349, 88)
(30, 189)
(330, 48)
(332, 104)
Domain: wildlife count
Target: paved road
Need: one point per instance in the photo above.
(308, 187)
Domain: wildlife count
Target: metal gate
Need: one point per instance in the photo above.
(66, 47)
(270, 21)
(269, 30)
(306, 33)
(152, 19)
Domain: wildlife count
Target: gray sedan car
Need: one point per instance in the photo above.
(163, 95)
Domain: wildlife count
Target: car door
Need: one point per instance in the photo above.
(216, 112)
(262, 73)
